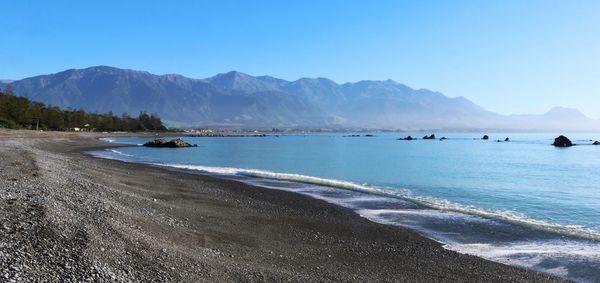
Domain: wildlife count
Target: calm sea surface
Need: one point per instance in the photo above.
(521, 202)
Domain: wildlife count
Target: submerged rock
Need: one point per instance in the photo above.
(562, 141)
(443, 138)
(172, 143)
(485, 137)
(409, 138)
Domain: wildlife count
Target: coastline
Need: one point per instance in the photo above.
(142, 223)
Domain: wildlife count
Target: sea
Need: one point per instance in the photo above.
(523, 202)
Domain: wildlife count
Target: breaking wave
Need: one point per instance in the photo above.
(504, 216)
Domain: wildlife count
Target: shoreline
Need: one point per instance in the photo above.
(202, 227)
(515, 242)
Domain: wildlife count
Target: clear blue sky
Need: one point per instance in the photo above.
(510, 56)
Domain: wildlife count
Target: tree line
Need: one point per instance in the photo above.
(21, 113)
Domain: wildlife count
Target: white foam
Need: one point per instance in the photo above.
(120, 153)
(555, 248)
(433, 213)
(114, 140)
(277, 176)
(532, 254)
(439, 204)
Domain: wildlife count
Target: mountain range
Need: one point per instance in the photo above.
(238, 100)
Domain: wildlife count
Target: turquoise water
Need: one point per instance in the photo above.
(521, 202)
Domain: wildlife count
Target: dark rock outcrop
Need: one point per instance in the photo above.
(443, 138)
(172, 143)
(596, 143)
(431, 137)
(562, 141)
(506, 139)
(485, 137)
(409, 138)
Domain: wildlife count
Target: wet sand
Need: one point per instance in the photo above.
(67, 216)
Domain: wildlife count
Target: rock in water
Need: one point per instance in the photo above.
(596, 143)
(485, 137)
(409, 138)
(172, 143)
(156, 143)
(562, 141)
(506, 139)
(431, 137)
(180, 143)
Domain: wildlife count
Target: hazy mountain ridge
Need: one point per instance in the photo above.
(239, 100)
(556, 118)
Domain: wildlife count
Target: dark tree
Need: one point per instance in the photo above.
(21, 113)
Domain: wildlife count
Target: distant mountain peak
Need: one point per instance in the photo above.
(105, 69)
(318, 80)
(233, 75)
(235, 80)
(565, 111)
(562, 110)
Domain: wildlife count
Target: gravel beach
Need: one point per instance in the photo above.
(68, 217)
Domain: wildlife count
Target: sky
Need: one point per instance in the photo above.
(509, 56)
